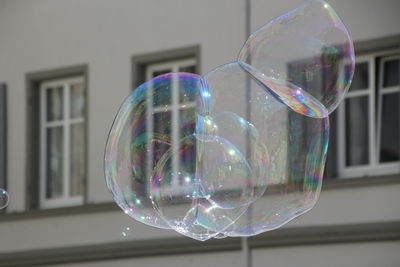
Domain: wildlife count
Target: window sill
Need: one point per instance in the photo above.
(328, 184)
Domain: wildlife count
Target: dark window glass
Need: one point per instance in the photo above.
(77, 159)
(77, 98)
(160, 72)
(190, 69)
(391, 73)
(163, 134)
(357, 131)
(161, 145)
(163, 97)
(361, 77)
(54, 162)
(54, 103)
(389, 148)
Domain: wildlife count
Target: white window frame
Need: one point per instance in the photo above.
(374, 167)
(66, 122)
(393, 167)
(174, 108)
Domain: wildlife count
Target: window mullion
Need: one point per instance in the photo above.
(175, 128)
(372, 114)
(66, 171)
(43, 143)
(379, 112)
(341, 132)
(149, 129)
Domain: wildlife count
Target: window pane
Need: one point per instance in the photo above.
(54, 162)
(389, 150)
(391, 73)
(190, 69)
(188, 152)
(163, 97)
(54, 103)
(77, 98)
(186, 92)
(77, 157)
(357, 131)
(361, 77)
(162, 128)
(159, 72)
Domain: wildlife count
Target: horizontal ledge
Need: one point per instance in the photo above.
(350, 233)
(328, 184)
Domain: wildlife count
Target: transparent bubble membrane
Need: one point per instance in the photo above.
(305, 56)
(142, 133)
(296, 147)
(4, 198)
(242, 149)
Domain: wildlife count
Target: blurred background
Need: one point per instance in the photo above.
(65, 68)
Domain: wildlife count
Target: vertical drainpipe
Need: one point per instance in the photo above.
(246, 253)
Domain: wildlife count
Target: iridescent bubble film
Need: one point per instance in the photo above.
(4, 198)
(305, 57)
(242, 149)
(142, 133)
(294, 157)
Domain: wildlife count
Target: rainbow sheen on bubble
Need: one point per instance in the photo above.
(296, 147)
(306, 57)
(141, 134)
(4, 198)
(241, 150)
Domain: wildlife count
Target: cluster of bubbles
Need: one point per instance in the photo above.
(240, 150)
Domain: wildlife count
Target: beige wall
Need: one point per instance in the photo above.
(335, 207)
(355, 254)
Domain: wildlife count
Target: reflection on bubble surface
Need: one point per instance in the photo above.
(308, 50)
(4, 198)
(242, 149)
(296, 147)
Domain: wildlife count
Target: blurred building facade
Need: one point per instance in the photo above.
(65, 68)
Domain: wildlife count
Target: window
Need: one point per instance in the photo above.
(160, 115)
(62, 142)
(144, 68)
(368, 119)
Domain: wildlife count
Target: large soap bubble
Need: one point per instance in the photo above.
(141, 133)
(305, 57)
(183, 177)
(296, 145)
(241, 150)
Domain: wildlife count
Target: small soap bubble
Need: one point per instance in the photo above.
(4, 198)
(126, 231)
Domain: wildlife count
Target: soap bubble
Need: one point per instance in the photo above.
(242, 150)
(305, 57)
(4, 198)
(296, 147)
(125, 231)
(142, 133)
